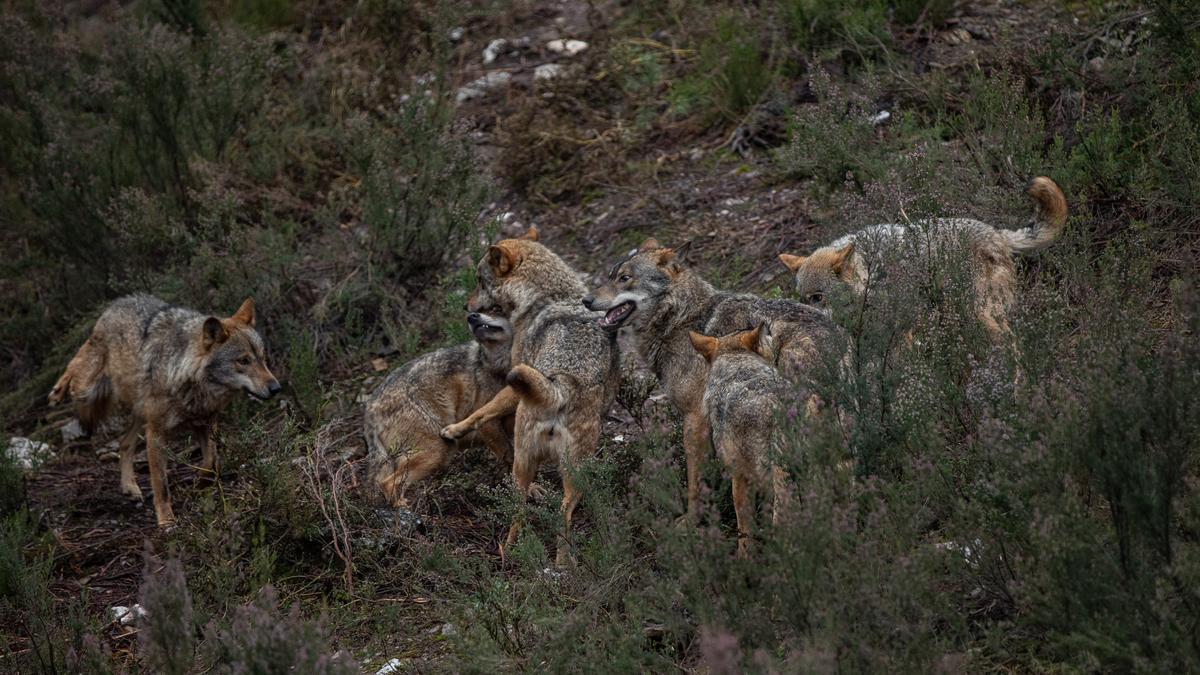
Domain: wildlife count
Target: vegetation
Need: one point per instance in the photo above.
(961, 505)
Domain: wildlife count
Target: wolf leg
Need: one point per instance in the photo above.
(128, 446)
(503, 404)
(571, 495)
(426, 458)
(743, 507)
(158, 478)
(209, 463)
(524, 469)
(696, 442)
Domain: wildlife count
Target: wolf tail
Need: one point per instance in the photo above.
(86, 381)
(1048, 222)
(531, 385)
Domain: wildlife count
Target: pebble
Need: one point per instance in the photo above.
(390, 667)
(548, 71)
(478, 88)
(567, 47)
(126, 615)
(493, 50)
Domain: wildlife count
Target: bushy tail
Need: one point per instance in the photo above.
(1048, 222)
(86, 381)
(532, 386)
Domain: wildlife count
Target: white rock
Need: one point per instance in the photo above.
(71, 431)
(457, 33)
(126, 615)
(28, 453)
(493, 50)
(481, 86)
(548, 71)
(390, 667)
(619, 438)
(880, 118)
(449, 630)
(567, 47)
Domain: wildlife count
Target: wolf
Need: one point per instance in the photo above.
(744, 400)
(661, 301)
(565, 370)
(410, 407)
(174, 369)
(992, 250)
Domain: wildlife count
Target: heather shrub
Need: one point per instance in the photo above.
(420, 192)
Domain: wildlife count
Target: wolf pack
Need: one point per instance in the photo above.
(544, 366)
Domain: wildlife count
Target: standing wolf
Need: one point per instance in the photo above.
(410, 407)
(991, 250)
(661, 301)
(743, 401)
(565, 367)
(173, 369)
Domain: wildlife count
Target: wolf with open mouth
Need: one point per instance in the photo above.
(565, 368)
(660, 301)
(404, 416)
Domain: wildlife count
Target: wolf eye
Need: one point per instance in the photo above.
(623, 278)
(816, 298)
(243, 360)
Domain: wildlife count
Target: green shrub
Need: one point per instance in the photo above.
(420, 190)
(732, 72)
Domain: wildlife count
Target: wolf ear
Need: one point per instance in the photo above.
(531, 234)
(792, 262)
(841, 257)
(245, 313)
(649, 245)
(704, 345)
(213, 333)
(751, 338)
(501, 259)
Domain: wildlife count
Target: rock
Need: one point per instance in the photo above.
(493, 50)
(28, 454)
(126, 615)
(71, 431)
(478, 88)
(109, 451)
(548, 71)
(567, 47)
(448, 630)
(957, 36)
(880, 117)
(456, 33)
(391, 667)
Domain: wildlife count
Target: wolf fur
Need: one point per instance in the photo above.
(743, 400)
(661, 301)
(405, 414)
(992, 252)
(174, 369)
(565, 367)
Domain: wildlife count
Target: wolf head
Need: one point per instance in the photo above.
(514, 273)
(756, 340)
(820, 274)
(234, 354)
(635, 285)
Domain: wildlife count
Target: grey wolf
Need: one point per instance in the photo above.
(744, 399)
(405, 414)
(565, 367)
(992, 251)
(661, 301)
(174, 369)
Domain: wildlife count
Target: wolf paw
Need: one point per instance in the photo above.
(453, 432)
(133, 492)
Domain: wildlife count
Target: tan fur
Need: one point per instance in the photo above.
(565, 369)
(743, 398)
(405, 414)
(173, 370)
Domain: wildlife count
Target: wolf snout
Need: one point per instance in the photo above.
(474, 319)
(273, 388)
(588, 301)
